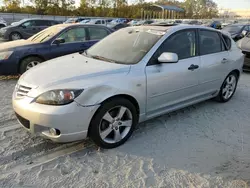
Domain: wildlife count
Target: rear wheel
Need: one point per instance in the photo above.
(15, 36)
(113, 123)
(29, 63)
(228, 88)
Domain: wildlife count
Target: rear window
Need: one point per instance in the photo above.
(228, 41)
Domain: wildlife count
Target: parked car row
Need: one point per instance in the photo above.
(130, 76)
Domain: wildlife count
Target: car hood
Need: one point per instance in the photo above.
(9, 27)
(14, 44)
(71, 71)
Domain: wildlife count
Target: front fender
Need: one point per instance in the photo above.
(96, 95)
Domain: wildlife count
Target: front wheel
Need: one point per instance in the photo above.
(29, 63)
(113, 123)
(15, 36)
(228, 88)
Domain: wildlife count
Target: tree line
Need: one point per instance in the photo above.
(107, 8)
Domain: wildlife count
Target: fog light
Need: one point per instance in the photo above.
(54, 132)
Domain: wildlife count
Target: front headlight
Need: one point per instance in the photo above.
(3, 30)
(58, 97)
(5, 55)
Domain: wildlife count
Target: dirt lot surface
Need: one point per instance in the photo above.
(205, 145)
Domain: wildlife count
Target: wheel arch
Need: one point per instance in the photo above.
(235, 71)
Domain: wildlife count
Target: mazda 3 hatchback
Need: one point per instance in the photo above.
(132, 75)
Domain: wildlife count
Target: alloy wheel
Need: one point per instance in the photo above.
(229, 86)
(32, 64)
(115, 124)
(15, 36)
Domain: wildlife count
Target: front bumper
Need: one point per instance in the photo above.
(71, 120)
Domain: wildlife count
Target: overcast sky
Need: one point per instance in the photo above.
(231, 4)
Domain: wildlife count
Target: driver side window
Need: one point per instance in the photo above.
(183, 43)
(74, 35)
(29, 23)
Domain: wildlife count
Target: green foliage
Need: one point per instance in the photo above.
(200, 9)
(108, 8)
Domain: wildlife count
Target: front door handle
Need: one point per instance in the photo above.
(193, 67)
(224, 60)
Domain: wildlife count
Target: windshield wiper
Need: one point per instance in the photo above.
(102, 58)
(85, 53)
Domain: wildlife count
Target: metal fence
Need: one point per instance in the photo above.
(14, 17)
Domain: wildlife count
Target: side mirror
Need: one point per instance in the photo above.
(167, 57)
(244, 33)
(59, 41)
(23, 26)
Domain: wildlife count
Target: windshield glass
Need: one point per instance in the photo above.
(125, 46)
(233, 28)
(46, 34)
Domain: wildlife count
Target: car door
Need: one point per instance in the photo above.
(27, 29)
(75, 41)
(173, 84)
(96, 34)
(214, 61)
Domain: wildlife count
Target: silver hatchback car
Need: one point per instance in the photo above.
(133, 75)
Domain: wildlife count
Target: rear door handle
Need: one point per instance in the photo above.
(224, 60)
(193, 67)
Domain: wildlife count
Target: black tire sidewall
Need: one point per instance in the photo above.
(106, 106)
(221, 98)
(26, 61)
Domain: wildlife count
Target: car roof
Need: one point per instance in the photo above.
(27, 19)
(78, 24)
(239, 24)
(175, 27)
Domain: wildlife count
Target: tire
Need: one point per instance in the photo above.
(15, 36)
(221, 97)
(99, 124)
(27, 62)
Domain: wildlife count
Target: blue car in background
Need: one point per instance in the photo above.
(21, 55)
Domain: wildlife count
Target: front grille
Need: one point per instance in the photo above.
(23, 121)
(22, 91)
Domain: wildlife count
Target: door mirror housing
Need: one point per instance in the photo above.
(59, 41)
(168, 57)
(244, 33)
(23, 26)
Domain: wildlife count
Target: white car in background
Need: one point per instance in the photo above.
(3, 23)
(97, 21)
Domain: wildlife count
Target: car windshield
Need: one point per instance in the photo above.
(125, 46)
(46, 34)
(233, 28)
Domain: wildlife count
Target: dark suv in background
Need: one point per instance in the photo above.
(26, 28)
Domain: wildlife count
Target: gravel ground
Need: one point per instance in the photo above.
(205, 145)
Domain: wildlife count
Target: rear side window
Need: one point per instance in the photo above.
(210, 42)
(97, 33)
(43, 23)
(53, 22)
(227, 41)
